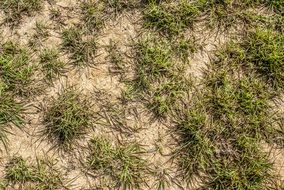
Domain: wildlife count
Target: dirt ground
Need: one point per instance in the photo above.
(155, 136)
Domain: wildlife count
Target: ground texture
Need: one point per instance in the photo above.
(142, 94)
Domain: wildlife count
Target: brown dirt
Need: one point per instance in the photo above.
(154, 136)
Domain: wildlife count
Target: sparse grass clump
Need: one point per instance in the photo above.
(261, 52)
(170, 19)
(154, 62)
(167, 96)
(92, 14)
(3, 184)
(51, 65)
(275, 22)
(230, 13)
(42, 29)
(16, 70)
(222, 128)
(157, 82)
(275, 5)
(18, 171)
(40, 176)
(40, 35)
(15, 10)
(15, 76)
(119, 116)
(184, 48)
(265, 53)
(221, 132)
(253, 172)
(9, 108)
(224, 13)
(239, 103)
(116, 58)
(81, 48)
(154, 68)
(197, 149)
(119, 5)
(10, 112)
(67, 118)
(121, 164)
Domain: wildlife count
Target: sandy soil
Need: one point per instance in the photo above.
(154, 136)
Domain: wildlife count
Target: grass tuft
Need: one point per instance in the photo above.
(121, 163)
(170, 19)
(41, 34)
(92, 14)
(15, 69)
(197, 149)
(222, 128)
(220, 134)
(253, 172)
(40, 176)
(119, 5)
(67, 119)
(15, 10)
(158, 82)
(10, 112)
(51, 65)
(82, 51)
(275, 5)
(184, 48)
(167, 96)
(265, 53)
(261, 52)
(154, 61)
